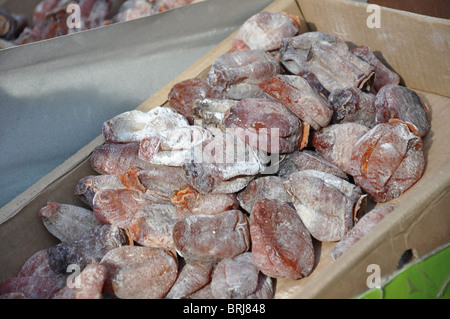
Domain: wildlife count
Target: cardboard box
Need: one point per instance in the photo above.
(414, 46)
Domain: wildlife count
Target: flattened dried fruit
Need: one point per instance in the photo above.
(281, 245)
(152, 226)
(352, 105)
(224, 235)
(235, 75)
(296, 94)
(130, 180)
(126, 127)
(239, 278)
(183, 95)
(92, 246)
(383, 75)
(265, 31)
(223, 165)
(163, 181)
(67, 222)
(398, 102)
(38, 265)
(307, 159)
(88, 186)
(117, 158)
(32, 287)
(265, 124)
(363, 227)
(173, 147)
(190, 202)
(266, 187)
(192, 277)
(132, 126)
(335, 142)
(387, 161)
(324, 202)
(136, 272)
(118, 206)
(87, 285)
(210, 113)
(328, 58)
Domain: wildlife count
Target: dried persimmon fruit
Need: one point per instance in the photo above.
(236, 75)
(137, 272)
(265, 31)
(361, 228)
(193, 276)
(281, 244)
(335, 142)
(118, 206)
(265, 124)
(117, 158)
(190, 202)
(152, 226)
(202, 237)
(210, 113)
(240, 278)
(87, 285)
(183, 94)
(67, 222)
(270, 187)
(308, 159)
(324, 202)
(387, 160)
(329, 58)
(223, 165)
(88, 186)
(352, 105)
(163, 181)
(297, 95)
(91, 246)
(383, 75)
(398, 102)
(132, 126)
(29, 287)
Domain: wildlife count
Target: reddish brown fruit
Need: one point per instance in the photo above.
(136, 272)
(183, 95)
(296, 94)
(87, 285)
(190, 202)
(265, 31)
(266, 124)
(325, 203)
(363, 227)
(335, 142)
(398, 102)
(281, 245)
(239, 278)
(383, 75)
(212, 236)
(192, 277)
(387, 161)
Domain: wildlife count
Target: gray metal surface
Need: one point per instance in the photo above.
(55, 94)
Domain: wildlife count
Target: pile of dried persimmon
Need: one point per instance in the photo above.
(228, 187)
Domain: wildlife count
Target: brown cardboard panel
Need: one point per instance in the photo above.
(420, 222)
(433, 8)
(415, 46)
